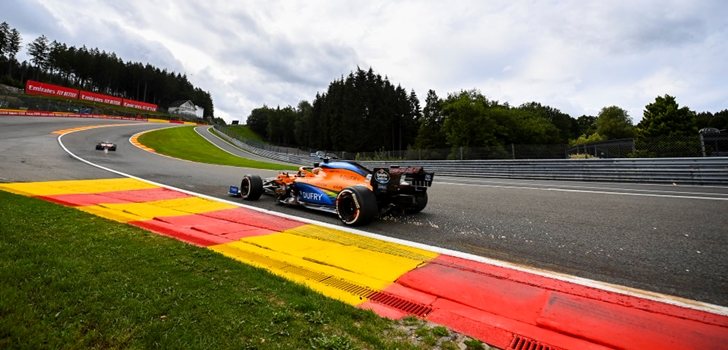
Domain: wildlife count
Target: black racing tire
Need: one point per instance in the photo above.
(356, 206)
(99, 147)
(251, 187)
(420, 203)
(112, 148)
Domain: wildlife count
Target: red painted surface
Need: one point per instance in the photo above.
(580, 290)
(499, 331)
(490, 303)
(200, 229)
(480, 291)
(255, 218)
(77, 200)
(182, 233)
(403, 292)
(554, 312)
(626, 327)
(233, 231)
(132, 196)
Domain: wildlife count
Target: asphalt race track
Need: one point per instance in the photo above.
(662, 238)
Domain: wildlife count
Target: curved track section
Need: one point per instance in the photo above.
(658, 238)
(206, 133)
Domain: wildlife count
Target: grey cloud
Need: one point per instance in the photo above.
(307, 63)
(628, 27)
(29, 18)
(657, 32)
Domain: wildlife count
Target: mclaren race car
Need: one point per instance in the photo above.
(348, 189)
(105, 145)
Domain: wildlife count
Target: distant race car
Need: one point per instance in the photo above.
(346, 188)
(105, 145)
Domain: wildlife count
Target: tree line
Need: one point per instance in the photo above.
(94, 70)
(364, 112)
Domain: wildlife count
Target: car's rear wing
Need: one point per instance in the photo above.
(394, 178)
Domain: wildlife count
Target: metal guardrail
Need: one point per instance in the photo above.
(284, 157)
(700, 171)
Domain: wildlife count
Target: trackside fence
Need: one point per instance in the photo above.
(684, 170)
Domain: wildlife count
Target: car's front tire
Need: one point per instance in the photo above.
(251, 187)
(356, 206)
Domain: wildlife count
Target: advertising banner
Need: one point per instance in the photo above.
(101, 98)
(139, 105)
(37, 88)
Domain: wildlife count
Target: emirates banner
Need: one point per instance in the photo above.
(38, 88)
(100, 98)
(139, 105)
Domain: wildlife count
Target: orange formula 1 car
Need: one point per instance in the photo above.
(353, 192)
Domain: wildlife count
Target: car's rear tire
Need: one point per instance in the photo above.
(356, 206)
(420, 199)
(112, 148)
(251, 187)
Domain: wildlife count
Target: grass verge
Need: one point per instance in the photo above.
(184, 143)
(74, 280)
(243, 132)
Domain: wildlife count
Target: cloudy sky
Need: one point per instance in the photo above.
(577, 56)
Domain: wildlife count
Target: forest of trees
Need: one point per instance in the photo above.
(365, 113)
(94, 70)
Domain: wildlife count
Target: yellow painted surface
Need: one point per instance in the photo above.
(112, 213)
(192, 205)
(135, 141)
(81, 128)
(153, 120)
(311, 254)
(300, 271)
(372, 244)
(126, 212)
(340, 265)
(51, 188)
(133, 211)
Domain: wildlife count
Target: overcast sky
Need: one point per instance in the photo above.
(577, 56)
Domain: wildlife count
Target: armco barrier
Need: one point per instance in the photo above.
(702, 171)
(699, 171)
(25, 113)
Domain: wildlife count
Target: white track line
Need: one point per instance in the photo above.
(658, 297)
(259, 158)
(214, 144)
(591, 191)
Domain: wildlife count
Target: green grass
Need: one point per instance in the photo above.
(74, 280)
(243, 132)
(184, 143)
